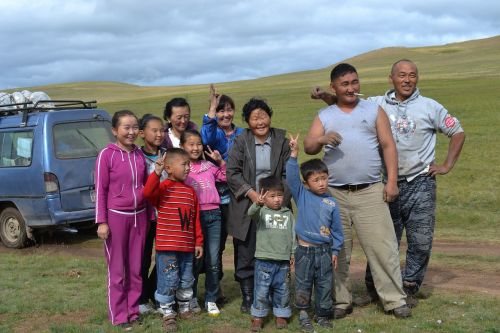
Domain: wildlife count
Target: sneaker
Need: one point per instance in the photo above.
(212, 309)
(194, 306)
(281, 323)
(167, 311)
(184, 309)
(146, 308)
(306, 324)
(403, 311)
(339, 313)
(257, 324)
(365, 300)
(323, 322)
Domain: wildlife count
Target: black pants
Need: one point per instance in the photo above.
(148, 280)
(244, 255)
(224, 209)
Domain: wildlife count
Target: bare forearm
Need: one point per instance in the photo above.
(391, 162)
(454, 149)
(312, 145)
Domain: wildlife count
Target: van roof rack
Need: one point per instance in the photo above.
(43, 106)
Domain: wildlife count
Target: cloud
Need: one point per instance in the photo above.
(171, 42)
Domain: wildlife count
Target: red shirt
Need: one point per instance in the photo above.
(178, 225)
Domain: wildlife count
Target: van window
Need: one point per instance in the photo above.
(81, 139)
(16, 148)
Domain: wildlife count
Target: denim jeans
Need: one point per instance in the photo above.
(271, 277)
(313, 267)
(210, 263)
(175, 276)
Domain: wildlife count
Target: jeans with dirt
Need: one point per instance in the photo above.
(175, 276)
(313, 268)
(211, 227)
(271, 278)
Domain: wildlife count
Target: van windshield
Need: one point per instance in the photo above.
(81, 139)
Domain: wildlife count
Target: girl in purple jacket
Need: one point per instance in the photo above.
(122, 215)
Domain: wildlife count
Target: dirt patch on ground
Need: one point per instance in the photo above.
(437, 277)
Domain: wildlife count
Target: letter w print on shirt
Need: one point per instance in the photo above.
(184, 218)
(276, 221)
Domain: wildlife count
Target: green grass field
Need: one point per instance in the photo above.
(40, 292)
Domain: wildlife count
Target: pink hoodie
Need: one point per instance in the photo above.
(202, 177)
(119, 181)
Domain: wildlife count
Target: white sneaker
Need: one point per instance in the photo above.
(167, 311)
(194, 306)
(212, 309)
(146, 308)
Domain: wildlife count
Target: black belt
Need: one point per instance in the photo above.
(353, 188)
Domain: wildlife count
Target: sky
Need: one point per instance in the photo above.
(163, 42)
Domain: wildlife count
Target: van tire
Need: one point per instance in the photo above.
(13, 228)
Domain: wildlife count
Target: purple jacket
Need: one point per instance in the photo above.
(119, 181)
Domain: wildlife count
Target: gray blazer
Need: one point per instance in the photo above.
(241, 176)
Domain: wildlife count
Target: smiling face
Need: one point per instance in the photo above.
(179, 119)
(274, 199)
(345, 88)
(126, 132)
(225, 116)
(193, 147)
(152, 134)
(404, 78)
(259, 123)
(318, 182)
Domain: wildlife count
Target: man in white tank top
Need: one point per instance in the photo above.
(352, 132)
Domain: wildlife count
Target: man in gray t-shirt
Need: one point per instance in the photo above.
(415, 120)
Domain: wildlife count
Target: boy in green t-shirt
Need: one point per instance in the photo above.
(273, 254)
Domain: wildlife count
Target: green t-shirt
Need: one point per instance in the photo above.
(275, 232)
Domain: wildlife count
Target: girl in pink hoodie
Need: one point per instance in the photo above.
(202, 177)
(122, 215)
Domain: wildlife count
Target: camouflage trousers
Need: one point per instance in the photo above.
(414, 211)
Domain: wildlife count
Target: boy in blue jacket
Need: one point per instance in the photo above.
(319, 237)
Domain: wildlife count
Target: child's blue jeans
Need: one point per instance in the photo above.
(271, 277)
(313, 267)
(175, 276)
(211, 222)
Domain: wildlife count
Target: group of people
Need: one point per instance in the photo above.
(184, 191)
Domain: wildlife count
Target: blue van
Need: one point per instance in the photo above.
(47, 163)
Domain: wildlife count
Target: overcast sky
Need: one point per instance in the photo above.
(161, 42)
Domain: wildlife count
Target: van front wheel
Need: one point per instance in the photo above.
(12, 228)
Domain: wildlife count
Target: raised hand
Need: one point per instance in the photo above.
(160, 163)
(294, 145)
(214, 155)
(262, 197)
(214, 101)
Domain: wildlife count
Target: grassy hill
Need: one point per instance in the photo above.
(464, 77)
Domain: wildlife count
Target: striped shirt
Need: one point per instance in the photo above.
(178, 224)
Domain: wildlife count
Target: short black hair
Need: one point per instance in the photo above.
(115, 121)
(341, 70)
(174, 102)
(224, 99)
(255, 103)
(174, 152)
(143, 122)
(271, 183)
(308, 168)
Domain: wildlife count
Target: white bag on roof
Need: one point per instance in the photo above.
(41, 96)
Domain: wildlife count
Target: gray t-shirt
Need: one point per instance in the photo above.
(262, 160)
(357, 159)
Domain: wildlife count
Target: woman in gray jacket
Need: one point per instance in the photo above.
(260, 151)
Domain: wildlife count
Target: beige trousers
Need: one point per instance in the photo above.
(366, 211)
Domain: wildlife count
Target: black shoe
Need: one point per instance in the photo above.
(339, 313)
(246, 286)
(411, 301)
(401, 312)
(323, 322)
